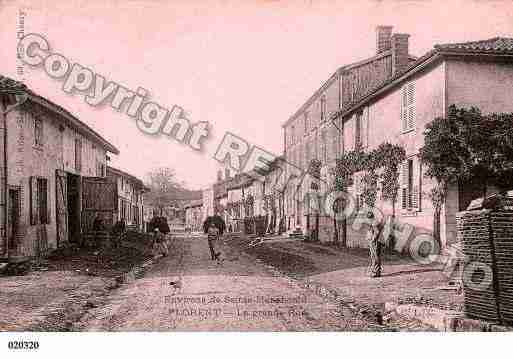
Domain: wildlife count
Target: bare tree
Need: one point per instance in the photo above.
(166, 190)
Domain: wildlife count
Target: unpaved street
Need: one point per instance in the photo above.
(188, 292)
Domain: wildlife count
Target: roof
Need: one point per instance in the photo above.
(119, 172)
(334, 76)
(239, 181)
(194, 203)
(495, 46)
(10, 86)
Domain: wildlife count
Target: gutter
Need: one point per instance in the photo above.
(20, 100)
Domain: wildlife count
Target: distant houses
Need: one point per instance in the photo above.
(130, 208)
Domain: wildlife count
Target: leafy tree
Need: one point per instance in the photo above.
(467, 146)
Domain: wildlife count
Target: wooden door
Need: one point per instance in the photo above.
(99, 197)
(61, 203)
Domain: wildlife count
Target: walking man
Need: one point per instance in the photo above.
(373, 237)
(214, 227)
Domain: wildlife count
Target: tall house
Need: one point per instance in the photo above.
(310, 134)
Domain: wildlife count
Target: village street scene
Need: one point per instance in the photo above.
(385, 205)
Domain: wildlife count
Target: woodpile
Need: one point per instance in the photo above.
(486, 236)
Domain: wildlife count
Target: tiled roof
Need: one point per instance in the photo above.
(328, 82)
(496, 44)
(194, 203)
(8, 85)
(134, 179)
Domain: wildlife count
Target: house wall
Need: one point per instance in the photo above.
(129, 192)
(480, 84)
(92, 154)
(26, 160)
(385, 126)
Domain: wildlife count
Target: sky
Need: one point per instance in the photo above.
(243, 66)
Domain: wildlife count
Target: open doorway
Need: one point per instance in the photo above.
(14, 219)
(73, 199)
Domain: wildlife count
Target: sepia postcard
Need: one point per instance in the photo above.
(231, 169)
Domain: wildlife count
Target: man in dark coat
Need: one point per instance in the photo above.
(214, 227)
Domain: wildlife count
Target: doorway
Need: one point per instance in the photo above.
(13, 219)
(73, 201)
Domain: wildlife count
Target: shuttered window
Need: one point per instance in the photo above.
(411, 185)
(408, 106)
(78, 154)
(358, 131)
(323, 108)
(39, 208)
(38, 131)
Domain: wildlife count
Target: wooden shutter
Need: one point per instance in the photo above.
(404, 185)
(411, 105)
(34, 201)
(365, 128)
(417, 184)
(358, 185)
(404, 108)
(48, 207)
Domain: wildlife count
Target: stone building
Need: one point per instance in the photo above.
(310, 134)
(468, 74)
(194, 216)
(130, 193)
(48, 159)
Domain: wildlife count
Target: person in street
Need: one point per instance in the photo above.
(159, 243)
(97, 228)
(214, 228)
(373, 237)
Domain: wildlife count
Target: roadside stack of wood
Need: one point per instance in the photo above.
(486, 234)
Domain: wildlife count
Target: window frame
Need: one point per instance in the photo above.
(38, 135)
(408, 108)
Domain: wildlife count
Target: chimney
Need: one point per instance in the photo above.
(219, 176)
(383, 38)
(399, 52)
(226, 173)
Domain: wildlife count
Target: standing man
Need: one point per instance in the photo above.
(214, 227)
(373, 236)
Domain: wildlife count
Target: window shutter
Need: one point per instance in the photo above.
(404, 185)
(417, 187)
(34, 215)
(358, 184)
(365, 128)
(48, 207)
(411, 105)
(404, 108)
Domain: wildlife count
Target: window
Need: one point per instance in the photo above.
(292, 134)
(39, 201)
(306, 122)
(358, 131)
(38, 131)
(408, 106)
(323, 108)
(358, 190)
(100, 169)
(78, 154)
(411, 185)
(324, 147)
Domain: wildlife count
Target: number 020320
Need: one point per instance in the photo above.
(26, 345)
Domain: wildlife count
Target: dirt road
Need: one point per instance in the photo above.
(188, 292)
